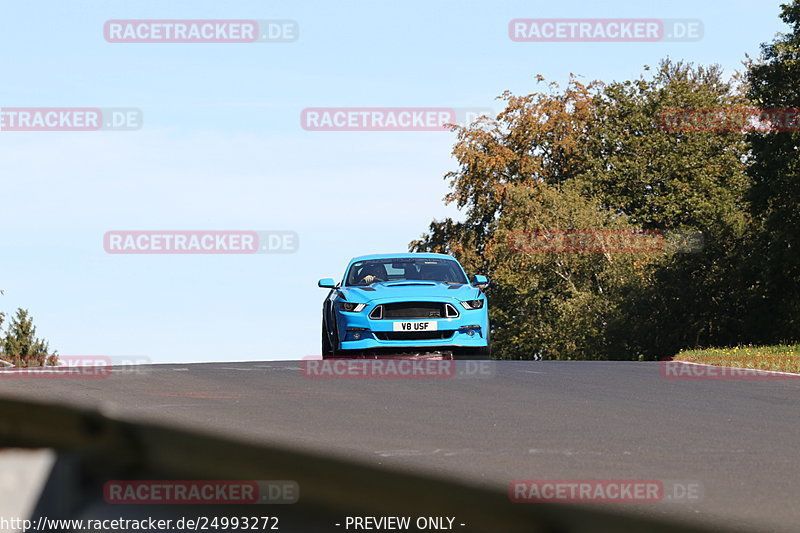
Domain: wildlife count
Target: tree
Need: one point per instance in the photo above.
(2, 319)
(537, 138)
(774, 82)
(20, 345)
(512, 166)
(675, 180)
(598, 157)
(549, 301)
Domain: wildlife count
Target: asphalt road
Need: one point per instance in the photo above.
(739, 439)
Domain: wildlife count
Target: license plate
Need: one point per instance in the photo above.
(416, 326)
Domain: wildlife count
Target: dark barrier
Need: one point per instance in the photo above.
(96, 452)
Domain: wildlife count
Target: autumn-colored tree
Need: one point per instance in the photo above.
(520, 172)
(597, 157)
(535, 139)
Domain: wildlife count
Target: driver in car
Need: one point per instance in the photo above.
(372, 274)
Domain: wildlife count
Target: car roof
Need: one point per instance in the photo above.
(402, 255)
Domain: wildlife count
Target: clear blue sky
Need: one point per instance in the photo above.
(222, 148)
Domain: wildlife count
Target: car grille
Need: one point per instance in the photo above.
(404, 310)
(412, 335)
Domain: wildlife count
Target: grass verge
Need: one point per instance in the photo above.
(781, 358)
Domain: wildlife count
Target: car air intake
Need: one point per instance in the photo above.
(412, 335)
(404, 310)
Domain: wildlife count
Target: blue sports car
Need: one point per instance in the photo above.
(408, 303)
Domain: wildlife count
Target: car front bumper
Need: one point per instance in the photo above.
(359, 332)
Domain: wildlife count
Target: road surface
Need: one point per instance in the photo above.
(522, 420)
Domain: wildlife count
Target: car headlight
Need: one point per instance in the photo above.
(351, 307)
(472, 304)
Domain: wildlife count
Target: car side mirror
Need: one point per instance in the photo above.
(480, 281)
(326, 283)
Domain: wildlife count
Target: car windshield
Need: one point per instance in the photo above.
(402, 269)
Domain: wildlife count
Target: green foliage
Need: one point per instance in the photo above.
(774, 82)
(20, 345)
(667, 179)
(555, 305)
(598, 157)
(692, 181)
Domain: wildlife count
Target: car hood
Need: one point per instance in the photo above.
(409, 290)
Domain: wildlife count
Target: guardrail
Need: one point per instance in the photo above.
(94, 448)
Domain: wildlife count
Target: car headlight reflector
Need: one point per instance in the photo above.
(472, 304)
(351, 307)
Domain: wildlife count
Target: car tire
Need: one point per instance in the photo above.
(481, 353)
(473, 354)
(333, 344)
(326, 343)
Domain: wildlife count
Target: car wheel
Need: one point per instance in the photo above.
(473, 354)
(326, 343)
(333, 345)
(484, 352)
